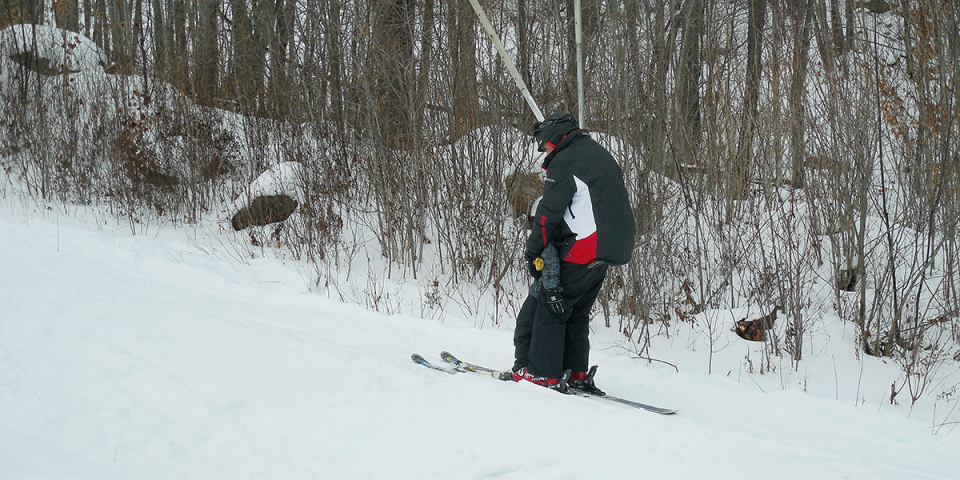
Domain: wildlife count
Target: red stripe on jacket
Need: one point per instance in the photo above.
(584, 250)
(543, 226)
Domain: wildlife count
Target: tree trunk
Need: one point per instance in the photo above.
(804, 17)
(391, 72)
(526, 118)
(13, 12)
(161, 41)
(121, 34)
(836, 28)
(662, 38)
(689, 128)
(463, 57)
(335, 62)
(247, 61)
(744, 158)
(206, 74)
(67, 15)
(177, 34)
(281, 85)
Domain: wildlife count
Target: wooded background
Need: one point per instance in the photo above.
(768, 145)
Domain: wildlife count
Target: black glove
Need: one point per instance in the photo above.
(533, 269)
(554, 300)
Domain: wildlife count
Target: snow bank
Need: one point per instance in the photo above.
(64, 49)
(139, 358)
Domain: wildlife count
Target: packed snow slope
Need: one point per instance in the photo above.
(152, 357)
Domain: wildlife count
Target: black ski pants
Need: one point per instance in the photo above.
(549, 344)
(524, 332)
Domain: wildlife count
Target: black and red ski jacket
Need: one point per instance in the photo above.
(585, 210)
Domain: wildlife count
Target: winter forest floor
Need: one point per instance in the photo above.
(162, 356)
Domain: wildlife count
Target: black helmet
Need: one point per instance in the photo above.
(553, 128)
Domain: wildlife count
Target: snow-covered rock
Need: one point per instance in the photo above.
(271, 198)
(51, 49)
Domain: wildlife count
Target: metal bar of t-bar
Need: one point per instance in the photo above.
(506, 59)
(577, 20)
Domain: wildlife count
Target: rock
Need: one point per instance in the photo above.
(756, 330)
(875, 6)
(522, 190)
(264, 210)
(847, 279)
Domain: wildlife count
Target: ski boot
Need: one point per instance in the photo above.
(583, 381)
(558, 384)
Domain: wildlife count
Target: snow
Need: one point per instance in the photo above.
(148, 351)
(284, 178)
(72, 50)
(158, 356)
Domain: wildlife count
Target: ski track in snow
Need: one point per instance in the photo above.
(146, 358)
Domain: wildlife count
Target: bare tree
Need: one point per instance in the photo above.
(245, 80)
(21, 11)
(688, 125)
(206, 72)
(803, 16)
(462, 41)
(744, 156)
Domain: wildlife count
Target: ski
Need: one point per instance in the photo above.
(466, 367)
(419, 360)
(650, 408)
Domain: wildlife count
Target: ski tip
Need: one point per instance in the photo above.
(416, 357)
(662, 411)
(659, 410)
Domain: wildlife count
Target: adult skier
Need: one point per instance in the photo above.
(585, 213)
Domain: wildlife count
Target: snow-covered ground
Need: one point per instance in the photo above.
(139, 357)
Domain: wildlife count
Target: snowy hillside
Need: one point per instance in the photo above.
(159, 357)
